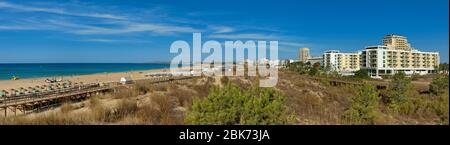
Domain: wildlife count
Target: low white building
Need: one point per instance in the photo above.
(314, 60)
(126, 80)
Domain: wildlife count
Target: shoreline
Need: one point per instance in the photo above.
(86, 78)
(8, 70)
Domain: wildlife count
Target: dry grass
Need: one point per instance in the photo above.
(165, 104)
(65, 108)
(142, 87)
(312, 102)
(161, 111)
(123, 107)
(182, 95)
(201, 88)
(50, 118)
(125, 93)
(149, 114)
(94, 101)
(126, 107)
(160, 88)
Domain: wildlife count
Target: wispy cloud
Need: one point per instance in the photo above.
(255, 36)
(58, 11)
(138, 27)
(293, 44)
(16, 28)
(100, 40)
(108, 24)
(285, 43)
(222, 29)
(103, 40)
(208, 13)
(111, 24)
(25, 25)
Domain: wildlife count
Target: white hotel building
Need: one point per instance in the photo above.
(395, 55)
(385, 60)
(341, 62)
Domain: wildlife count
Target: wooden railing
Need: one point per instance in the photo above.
(35, 98)
(89, 88)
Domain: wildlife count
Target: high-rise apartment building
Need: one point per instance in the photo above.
(395, 55)
(385, 60)
(341, 62)
(304, 54)
(396, 42)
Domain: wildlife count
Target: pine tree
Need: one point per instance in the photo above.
(364, 106)
(398, 93)
(263, 107)
(439, 85)
(230, 105)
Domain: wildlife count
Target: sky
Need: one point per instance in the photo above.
(111, 31)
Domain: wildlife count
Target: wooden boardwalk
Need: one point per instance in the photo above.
(339, 82)
(34, 102)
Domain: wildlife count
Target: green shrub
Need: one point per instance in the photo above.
(439, 85)
(441, 107)
(230, 105)
(224, 79)
(263, 106)
(399, 89)
(364, 107)
(362, 74)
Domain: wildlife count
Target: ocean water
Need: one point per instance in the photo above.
(35, 70)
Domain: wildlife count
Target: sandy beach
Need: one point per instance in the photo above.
(92, 78)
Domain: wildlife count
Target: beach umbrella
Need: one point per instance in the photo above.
(2, 93)
(13, 91)
(40, 87)
(5, 93)
(31, 89)
(21, 91)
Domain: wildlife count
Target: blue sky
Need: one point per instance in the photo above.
(142, 30)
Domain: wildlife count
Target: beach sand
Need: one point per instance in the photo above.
(93, 78)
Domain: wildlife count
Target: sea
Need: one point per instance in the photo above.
(37, 70)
